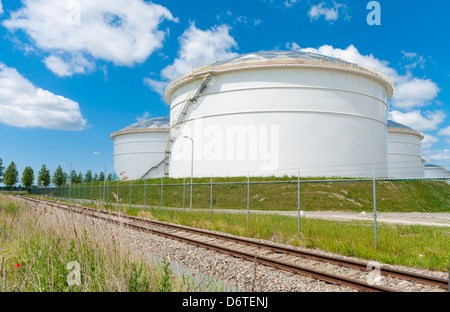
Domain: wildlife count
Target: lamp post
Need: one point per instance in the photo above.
(104, 184)
(70, 178)
(192, 165)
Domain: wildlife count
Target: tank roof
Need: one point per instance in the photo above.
(396, 126)
(278, 58)
(157, 123)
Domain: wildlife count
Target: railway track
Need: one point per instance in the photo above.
(350, 274)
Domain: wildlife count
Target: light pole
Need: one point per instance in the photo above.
(104, 185)
(70, 178)
(192, 164)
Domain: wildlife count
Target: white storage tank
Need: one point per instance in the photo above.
(403, 147)
(276, 113)
(434, 171)
(139, 149)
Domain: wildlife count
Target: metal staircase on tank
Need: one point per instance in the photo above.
(176, 125)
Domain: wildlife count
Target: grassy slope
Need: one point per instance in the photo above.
(399, 196)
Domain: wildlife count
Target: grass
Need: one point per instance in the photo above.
(354, 196)
(44, 252)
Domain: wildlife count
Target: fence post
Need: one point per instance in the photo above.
(184, 194)
(131, 190)
(374, 207)
(118, 196)
(92, 199)
(162, 192)
(248, 199)
(211, 200)
(145, 194)
(84, 196)
(298, 202)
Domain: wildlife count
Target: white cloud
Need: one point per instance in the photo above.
(429, 121)
(445, 132)
(197, 47)
(438, 155)
(417, 60)
(428, 141)
(1, 8)
(124, 32)
(143, 117)
(290, 3)
(410, 92)
(330, 14)
(24, 105)
(76, 65)
(414, 92)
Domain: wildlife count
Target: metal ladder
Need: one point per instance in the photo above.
(175, 128)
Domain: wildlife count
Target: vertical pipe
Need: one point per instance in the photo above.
(145, 194)
(374, 207)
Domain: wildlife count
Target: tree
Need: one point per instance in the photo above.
(80, 178)
(73, 176)
(27, 177)
(109, 179)
(1, 170)
(11, 175)
(101, 176)
(95, 178)
(59, 176)
(43, 176)
(88, 176)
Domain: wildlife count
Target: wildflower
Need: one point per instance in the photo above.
(193, 274)
(17, 265)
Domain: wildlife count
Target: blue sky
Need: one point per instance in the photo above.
(73, 72)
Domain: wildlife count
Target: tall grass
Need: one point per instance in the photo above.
(38, 248)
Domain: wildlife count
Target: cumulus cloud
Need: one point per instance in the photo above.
(414, 92)
(24, 105)
(1, 8)
(428, 141)
(330, 14)
(197, 47)
(428, 121)
(410, 92)
(76, 33)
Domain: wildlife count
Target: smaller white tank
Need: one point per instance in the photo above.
(139, 148)
(435, 171)
(403, 149)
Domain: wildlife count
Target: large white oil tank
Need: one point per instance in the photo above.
(434, 171)
(403, 147)
(139, 149)
(276, 113)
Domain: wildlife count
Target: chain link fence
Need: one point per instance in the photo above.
(398, 217)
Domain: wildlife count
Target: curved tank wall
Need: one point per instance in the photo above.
(140, 147)
(434, 171)
(276, 121)
(403, 148)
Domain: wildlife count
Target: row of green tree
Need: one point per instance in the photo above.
(10, 176)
